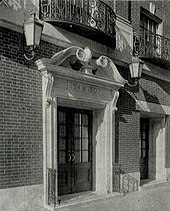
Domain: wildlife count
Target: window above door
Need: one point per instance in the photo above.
(149, 21)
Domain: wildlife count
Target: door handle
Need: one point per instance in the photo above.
(69, 157)
(73, 157)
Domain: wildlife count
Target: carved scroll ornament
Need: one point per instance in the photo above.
(49, 86)
(114, 101)
(110, 69)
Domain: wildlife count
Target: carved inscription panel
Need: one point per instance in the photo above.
(81, 90)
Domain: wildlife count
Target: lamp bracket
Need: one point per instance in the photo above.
(133, 85)
(32, 54)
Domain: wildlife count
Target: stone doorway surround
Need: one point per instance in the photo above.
(157, 149)
(158, 116)
(73, 78)
(156, 153)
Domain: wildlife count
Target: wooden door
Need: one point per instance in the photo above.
(144, 148)
(74, 150)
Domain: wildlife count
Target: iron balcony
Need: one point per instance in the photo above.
(92, 19)
(152, 47)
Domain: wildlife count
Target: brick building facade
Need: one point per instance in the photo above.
(126, 125)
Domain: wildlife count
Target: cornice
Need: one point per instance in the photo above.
(62, 72)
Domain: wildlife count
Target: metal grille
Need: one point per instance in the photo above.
(129, 184)
(123, 182)
(116, 177)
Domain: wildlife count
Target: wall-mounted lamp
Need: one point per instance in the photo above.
(136, 67)
(33, 31)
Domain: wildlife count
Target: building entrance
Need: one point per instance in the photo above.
(74, 150)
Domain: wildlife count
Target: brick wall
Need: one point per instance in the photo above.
(127, 133)
(21, 141)
(166, 23)
(122, 8)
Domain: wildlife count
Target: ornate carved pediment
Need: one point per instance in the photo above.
(78, 64)
(81, 60)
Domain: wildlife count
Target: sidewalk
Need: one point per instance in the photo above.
(151, 198)
(147, 199)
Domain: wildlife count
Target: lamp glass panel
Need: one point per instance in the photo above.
(134, 70)
(38, 31)
(131, 70)
(140, 69)
(29, 33)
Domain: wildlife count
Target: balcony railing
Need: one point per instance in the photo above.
(91, 18)
(152, 46)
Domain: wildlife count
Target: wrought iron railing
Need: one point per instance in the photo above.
(122, 181)
(91, 13)
(129, 184)
(150, 45)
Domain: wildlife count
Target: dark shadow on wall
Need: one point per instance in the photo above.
(149, 97)
(126, 107)
(153, 100)
(153, 90)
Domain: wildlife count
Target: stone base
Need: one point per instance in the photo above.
(167, 174)
(69, 201)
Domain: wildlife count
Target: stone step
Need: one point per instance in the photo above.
(154, 184)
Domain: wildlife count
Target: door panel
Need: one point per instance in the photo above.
(74, 150)
(64, 179)
(144, 147)
(64, 155)
(81, 178)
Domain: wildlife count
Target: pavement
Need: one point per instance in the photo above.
(149, 198)
(154, 197)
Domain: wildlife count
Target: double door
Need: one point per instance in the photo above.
(74, 150)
